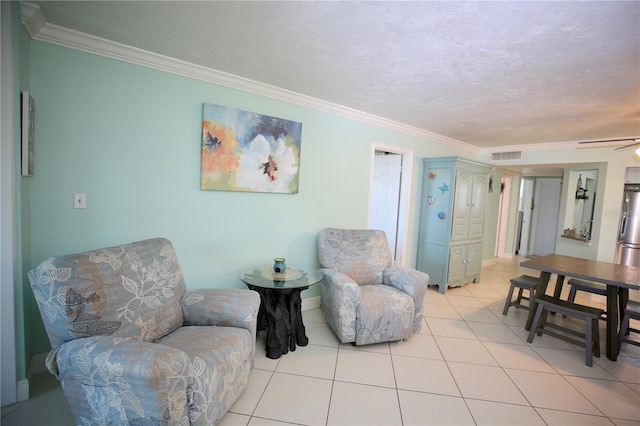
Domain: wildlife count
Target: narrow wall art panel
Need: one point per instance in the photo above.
(28, 133)
(246, 151)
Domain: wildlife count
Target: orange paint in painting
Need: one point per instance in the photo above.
(218, 148)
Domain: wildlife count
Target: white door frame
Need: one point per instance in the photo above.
(503, 224)
(405, 187)
(9, 388)
(527, 184)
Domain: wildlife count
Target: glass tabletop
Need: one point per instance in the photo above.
(295, 276)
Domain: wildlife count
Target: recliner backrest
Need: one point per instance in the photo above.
(128, 291)
(362, 255)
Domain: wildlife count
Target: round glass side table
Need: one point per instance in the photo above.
(280, 304)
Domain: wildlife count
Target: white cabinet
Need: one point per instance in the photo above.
(451, 220)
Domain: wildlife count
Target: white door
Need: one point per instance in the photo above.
(387, 172)
(548, 208)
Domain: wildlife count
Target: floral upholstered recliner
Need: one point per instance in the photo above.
(132, 346)
(363, 297)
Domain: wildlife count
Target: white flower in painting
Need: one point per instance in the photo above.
(267, 167)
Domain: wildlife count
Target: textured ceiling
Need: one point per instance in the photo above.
(489, 74)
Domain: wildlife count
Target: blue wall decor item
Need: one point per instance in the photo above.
(442, 215)
(444, 188)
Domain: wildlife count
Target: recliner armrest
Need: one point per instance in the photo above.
(410, 281)
(344, 287)
(222, 307)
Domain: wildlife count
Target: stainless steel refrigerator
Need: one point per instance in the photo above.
(628, 245)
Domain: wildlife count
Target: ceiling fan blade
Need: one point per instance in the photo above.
(626, 146)
(607, 140)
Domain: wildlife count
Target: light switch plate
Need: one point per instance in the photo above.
(79, 201)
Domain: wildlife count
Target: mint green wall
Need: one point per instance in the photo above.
(129, 137)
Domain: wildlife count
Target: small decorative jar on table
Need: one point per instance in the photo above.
(280, 303)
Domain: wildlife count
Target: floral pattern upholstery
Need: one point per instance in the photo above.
(363, 297)
(130, 345)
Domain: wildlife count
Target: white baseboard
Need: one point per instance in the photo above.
(36, 366)
(488, 262)
(310, 303)
(22, 390)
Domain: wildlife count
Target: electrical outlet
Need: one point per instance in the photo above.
(79, 201)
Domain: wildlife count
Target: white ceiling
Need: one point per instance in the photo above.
(489, 74)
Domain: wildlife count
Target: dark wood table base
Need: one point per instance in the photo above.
(281, 315)
(618, 278)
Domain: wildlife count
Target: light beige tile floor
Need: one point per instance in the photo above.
(469, 365)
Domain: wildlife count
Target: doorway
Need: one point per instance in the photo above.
(389, 196)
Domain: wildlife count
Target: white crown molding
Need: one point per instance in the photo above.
(32, 18)
(39, 29)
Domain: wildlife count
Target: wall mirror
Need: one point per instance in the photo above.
(580, 205)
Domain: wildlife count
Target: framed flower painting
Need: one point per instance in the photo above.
(246, 151)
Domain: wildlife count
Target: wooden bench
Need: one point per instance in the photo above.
(586, 286)
(588, 314)
(631, 312)
(523, 282)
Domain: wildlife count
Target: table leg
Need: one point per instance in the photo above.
(277, 324)
(558, 289)
(623, 298)
(612, 322)
(281, 315)
(542, 289)
(298, 333)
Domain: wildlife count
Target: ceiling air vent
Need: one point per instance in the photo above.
(506, 156)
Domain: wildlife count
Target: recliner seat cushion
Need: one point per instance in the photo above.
(221, 362)
(384, 314)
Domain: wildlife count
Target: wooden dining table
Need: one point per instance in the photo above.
(618, 278)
